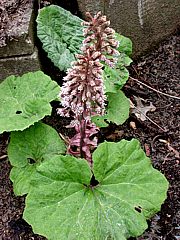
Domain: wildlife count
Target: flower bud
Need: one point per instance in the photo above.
(96, 55)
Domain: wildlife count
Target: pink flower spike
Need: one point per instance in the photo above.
(82, 94)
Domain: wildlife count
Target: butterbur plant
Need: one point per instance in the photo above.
(82, 94)
(94, 192)
(102, 193)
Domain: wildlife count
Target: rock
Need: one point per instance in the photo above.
(19, 65)
(146, 22)
(18, 28)
(17, 53)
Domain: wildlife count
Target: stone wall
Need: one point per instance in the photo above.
(146, 22)
(20, 55)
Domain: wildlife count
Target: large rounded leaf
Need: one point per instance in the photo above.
(67, 205)
(28, 149)
(25, 100)
(61, 34)
(117, 110)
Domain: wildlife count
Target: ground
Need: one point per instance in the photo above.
(160, 69)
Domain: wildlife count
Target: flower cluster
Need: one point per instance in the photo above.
(100, 37)
(82, 93)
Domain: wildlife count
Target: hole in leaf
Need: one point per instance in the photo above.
(18, 112)
(14, 87)
(31, 161)
(138, 209)
(93, 181)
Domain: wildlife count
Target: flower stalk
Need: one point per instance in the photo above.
(82, 93)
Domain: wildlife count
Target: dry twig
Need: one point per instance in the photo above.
(155, 90)
(3, 156)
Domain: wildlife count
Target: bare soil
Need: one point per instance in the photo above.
(160, 70)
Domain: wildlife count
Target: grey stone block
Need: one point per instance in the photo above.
(20, 55)
(22, 45)
(146, 22)
(20, 34)
(18, 65)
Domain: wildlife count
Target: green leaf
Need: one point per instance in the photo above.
(124, 60)
(118, 107)
(25, 100)
(117, 110)
(100, 121)
(125, 174)
(61, 34)
(28, 149)
(21, 178)
(114, 78)
(66, 204)
(125, 44)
